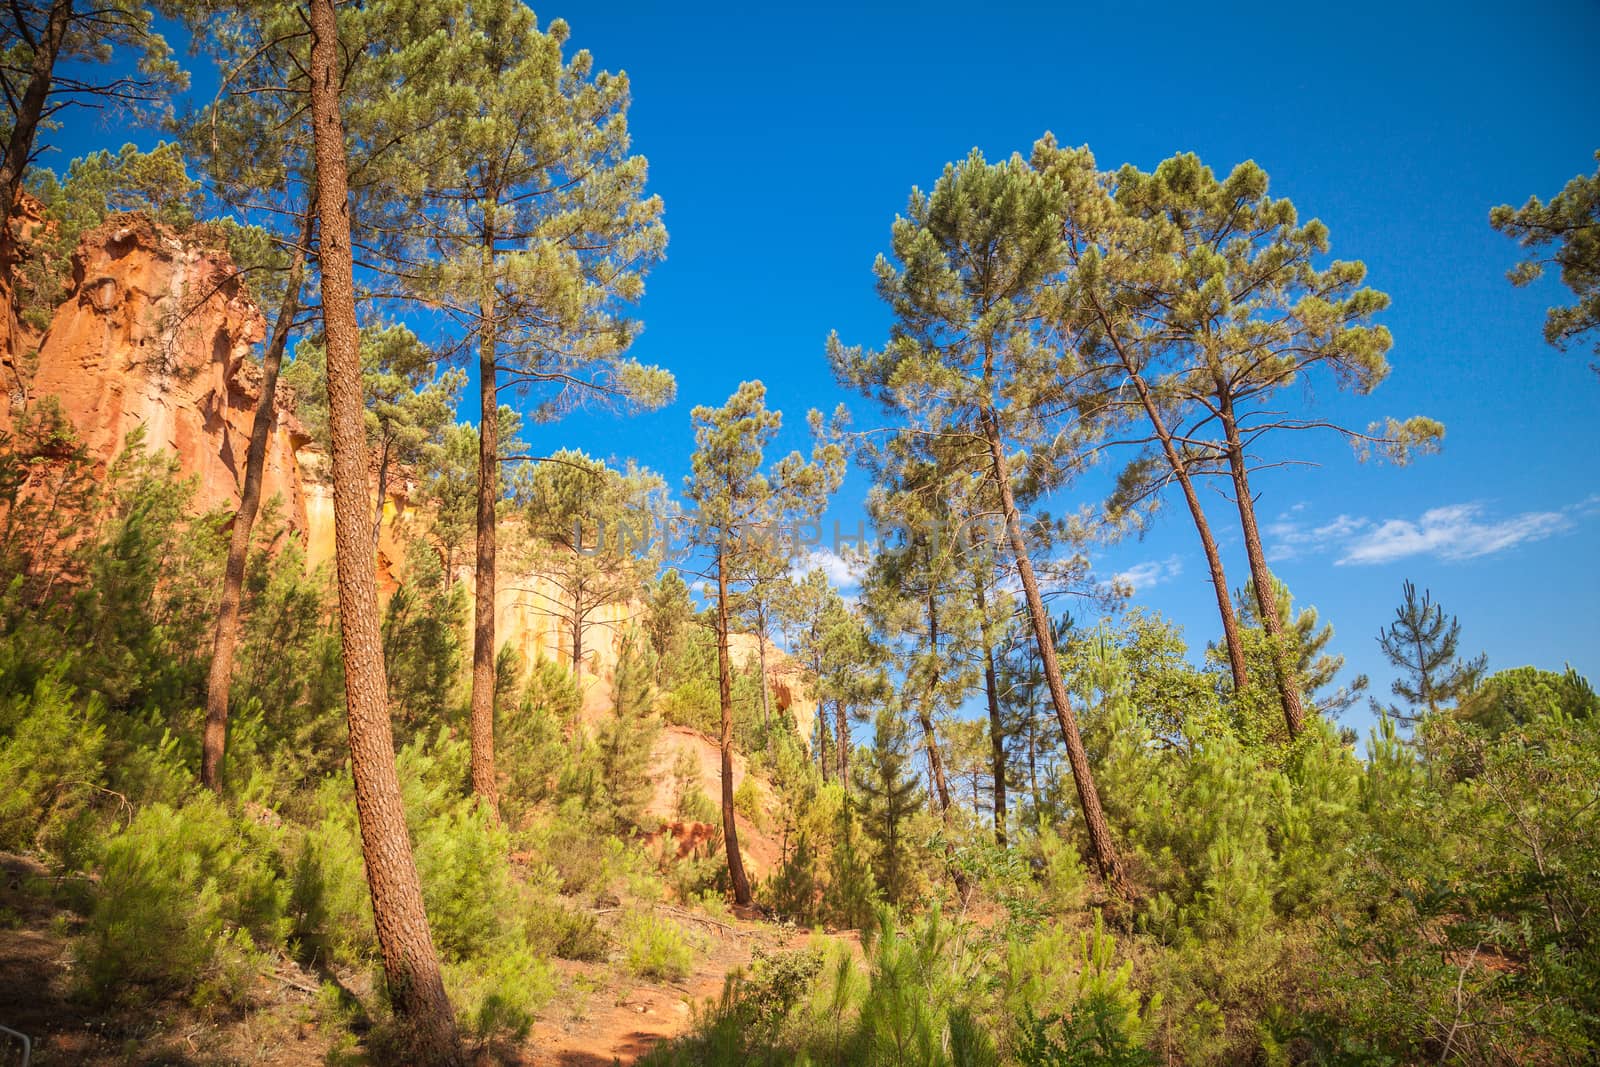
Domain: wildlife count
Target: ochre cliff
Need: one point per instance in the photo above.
(157, 332)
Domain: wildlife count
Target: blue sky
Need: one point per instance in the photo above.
(784, 140)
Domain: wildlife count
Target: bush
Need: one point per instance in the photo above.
(655, 947)
(51, 764)
(498, 997)
(695, 806)
(1096, 1012)
(189, 898)
(747, 802)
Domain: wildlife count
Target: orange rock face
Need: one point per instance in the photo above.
(156, 332)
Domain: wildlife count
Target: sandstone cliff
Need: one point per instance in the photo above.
(157, 332)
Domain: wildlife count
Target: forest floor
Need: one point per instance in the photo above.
(600, 1014)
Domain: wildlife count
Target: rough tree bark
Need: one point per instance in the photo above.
(1283, 669)
(997, 744)
(226, 638)
(411, 967)
(19, 146)
(1180, 471)
(484, 786)
(1101, 845)
(730, 829)
(841, 724)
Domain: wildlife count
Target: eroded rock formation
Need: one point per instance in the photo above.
(156, 332)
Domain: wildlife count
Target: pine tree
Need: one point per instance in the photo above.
(1307, 637)
(1034, 749)
(416, 985)
(667, 620)
(50, 50)
(543, 233)
(890, 795)
(842, 663)
(410, 401)
(422, 649)
(1231, 308)
(972, 364)
(260, 51)
(595, 533)
(755, 608)
(740, 514)
(1571, 223)
(625, 740)
(1423, 644)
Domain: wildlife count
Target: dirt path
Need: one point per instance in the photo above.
(603, 1016)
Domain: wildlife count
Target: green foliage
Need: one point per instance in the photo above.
(288, 663)
(1522, 696)
(93, 188)
(531, 737)
(1095, 1012)
(51, 750)
(655, 947)
(1422, 645)
(422, 644)
(747, 802)
(1460, 933)
(852, 894)
(142, 617)
(1569, 226)
(668, 621)
(920, 996)
(890, 794)
(611, 774)
(501, 996)
(791, 891)
(189, 898)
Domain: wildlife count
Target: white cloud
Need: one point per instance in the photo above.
(1290, 539)
(1454, 532)
(1457, 532)
(1142, 576)
(844, 570)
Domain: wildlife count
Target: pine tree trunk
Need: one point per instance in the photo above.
(1100, 844)
(822, 740)
(25, 126)
(925, 715)
(761, 655)
(484, 786)
(383, 492)
(730, 829)
(1283, 668)
(1219, 581)
(226, 637)
(841, 753)
(416, 987)
(577, 647)
(991, 690)
(997, 743)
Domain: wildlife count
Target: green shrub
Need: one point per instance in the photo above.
(655, 947)
(747, 802)
(50, 760)
(498, 997)
(1094, 1008)
(189, 898)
